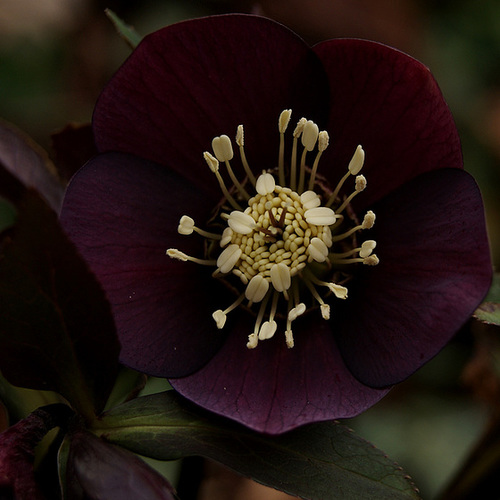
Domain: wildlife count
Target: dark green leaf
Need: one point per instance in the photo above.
(56, 327)
(320, 461)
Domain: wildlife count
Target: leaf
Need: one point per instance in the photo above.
(319, 461)
(127, 32)
(56, 328)
(488, 312)
(24, 164)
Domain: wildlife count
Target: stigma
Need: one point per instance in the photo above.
(284, 239)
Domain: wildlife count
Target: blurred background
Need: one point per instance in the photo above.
(55, 56)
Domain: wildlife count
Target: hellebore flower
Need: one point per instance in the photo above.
(283, 313)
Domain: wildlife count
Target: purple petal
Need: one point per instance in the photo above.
(122, 212)
(390, 104)
(98, 470)
(434, 270)
(195, 80)
(272, 388)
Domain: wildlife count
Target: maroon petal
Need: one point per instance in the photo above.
(122, 212)
(390, 104)
(434, 270)
(197, 79)
(272, 388)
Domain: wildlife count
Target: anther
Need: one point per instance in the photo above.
(357, 161)
(228, 258)
(320, 216)
(240, 141)
(309, 135)
(323, 141)
(367, 248)
(267, 330)
(318, 250)
(280, 277)
(265, 184)
(186, 227)
(309, 199)
(293, 164)
(283, 122)
(368, 220)
(257, 288)
(213, 164)
(173, 253)
(222, 147)
(359, 186)
(240, 222)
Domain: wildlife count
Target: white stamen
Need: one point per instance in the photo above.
(252, 341)
(323, 140)
(371, 260)
(339, 291)
(320, 216)
(325, 311)
(186, 225)
(284, 120)
(280, 277)
(173, 253)
(212, 162)
(265, 184)
(299, 128)
(310, 199)
(257, 288)
(367, 248)
(240, 137)
(267, 330)
(228, 258)
(368, 220)
(318, 250)
(357, 161)
(220, 318)
(240, 222)
(289, 339)
(309, 135)
(297, 311)
(360, 183)
(223, 148)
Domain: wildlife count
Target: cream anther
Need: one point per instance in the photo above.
(368, 220)
(177, 254)
(323, 140)
(265, 184)
(220, 318)
(212, 162)
(318, 250)
(297, 311)
(289, 339)
(280, 277)
(309, 199)
(320, 216)
(284, 120)
(186, 225)
(240, 222)
(371, 260)
(309, 135)
(339, 291)
(253, 340)
(367, 248)
(360, 183)
(257, 288)
(222, 147)
(227, 236)
(357, 161)
(240, 138)
(299, 128)
(267, 330)
(325, 311)
(228, 258)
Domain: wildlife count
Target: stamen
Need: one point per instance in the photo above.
(241, 142)
(360, 185)
(284, 120)
(186, 227)
(353, 168)
(213, 163)
(220, 316)
(240, 222)
(293, 165)
(318, 250)
(310, 199)
(281, 277)
(257, 288)
(368, 222)
(367, 248)
(177, 254)
(309, 138)
(223, 150)
(320, 216)
(265, 184)
(253, 338)
(323, 141)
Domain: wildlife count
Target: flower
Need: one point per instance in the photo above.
(373, 117)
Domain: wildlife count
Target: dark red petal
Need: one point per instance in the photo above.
(390, 104)
(434, 271)
(272, 388)
(195, 80)
(122, 212)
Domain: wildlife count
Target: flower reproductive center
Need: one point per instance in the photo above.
(284, 238)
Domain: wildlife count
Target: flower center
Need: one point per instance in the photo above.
(283, 241)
